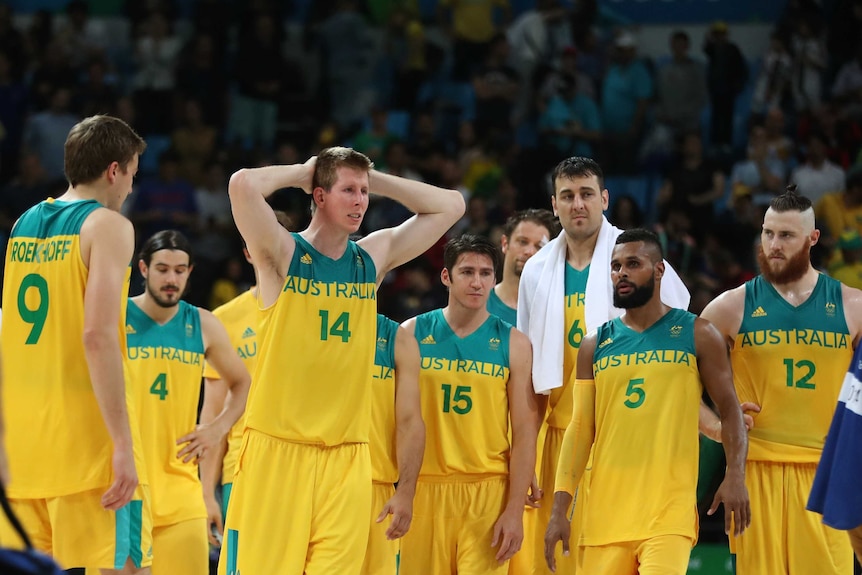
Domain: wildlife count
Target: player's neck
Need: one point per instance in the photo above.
(160, 315)
(579, 251)
(507, 290)
(642, 318)
(797, 292)
(326, 239)
(84, 192)
(462, 320)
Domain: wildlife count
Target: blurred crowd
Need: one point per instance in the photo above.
(474, 96)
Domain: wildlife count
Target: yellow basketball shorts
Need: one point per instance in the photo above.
(661, 555)
(181, 548)
(79, 533)
(453, 527)
(784, 537)
(297, 508)
(381, 555)
(568, 565)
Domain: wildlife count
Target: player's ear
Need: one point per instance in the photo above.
(444, 277)
(659, 270)
(142, 267)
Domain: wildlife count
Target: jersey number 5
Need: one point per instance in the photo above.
(635, 395)
(35, 316)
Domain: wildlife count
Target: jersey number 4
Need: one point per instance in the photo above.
(160, 386)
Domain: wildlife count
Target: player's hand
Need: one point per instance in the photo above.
(125, 479)
(748, 419)
(308, 175)
(558, 529)
(214, 523)
(204, 438)
(509, 533)
(535, 493)
(733, 493)
(400, 507)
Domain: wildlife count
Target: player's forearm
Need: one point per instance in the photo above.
(735, 439)
(708, 423)
(419, 197)
(210, 470)
(253, 183)
(577, 441)
(105, 364)
(522, 464)
(410, 447)
(234, 405)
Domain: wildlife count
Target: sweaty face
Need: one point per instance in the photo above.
(527, 238)
(470, 280)
(579, 203)
(785, 246)
(347, 201)
(633, 275)
(167, 276)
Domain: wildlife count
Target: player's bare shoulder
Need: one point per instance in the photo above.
(108, 228)
(725, 311)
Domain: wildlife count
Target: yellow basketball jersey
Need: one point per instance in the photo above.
(239, 317)
(645, 455)
(560, 401)
(56, 438)
(465, 404)
(791, 361)
(316, 344)
(165, 366)
(384, 467)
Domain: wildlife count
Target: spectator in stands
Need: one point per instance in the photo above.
(12, 42)
(570, 124)
(808, 66)
(626, 90)
(81, 37)
(817, 176)
(762, 174)
(695, 185)
(727, 75)
(840, 211)
(45, 133)
(156, 54)
(779, 146)
(25, 191)
(263, 75)
(201, 76)
(13, 110)
(472, 25)
(424, 148)
(553, 81)
(98, 93)
(165, 201)
(52, 71)
(194, 141)
(496, 85)
(373, 140)
(849, 270)
(772, 86)
(847, 89)
(680, 89)
(625, 213)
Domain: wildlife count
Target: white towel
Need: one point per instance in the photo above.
(541, 294)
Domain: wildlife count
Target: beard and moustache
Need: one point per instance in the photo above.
(638, 297)
(163, 301)
(794, 268)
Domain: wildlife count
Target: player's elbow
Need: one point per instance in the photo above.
(457, 206)
(100, 338)
(239, 185)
